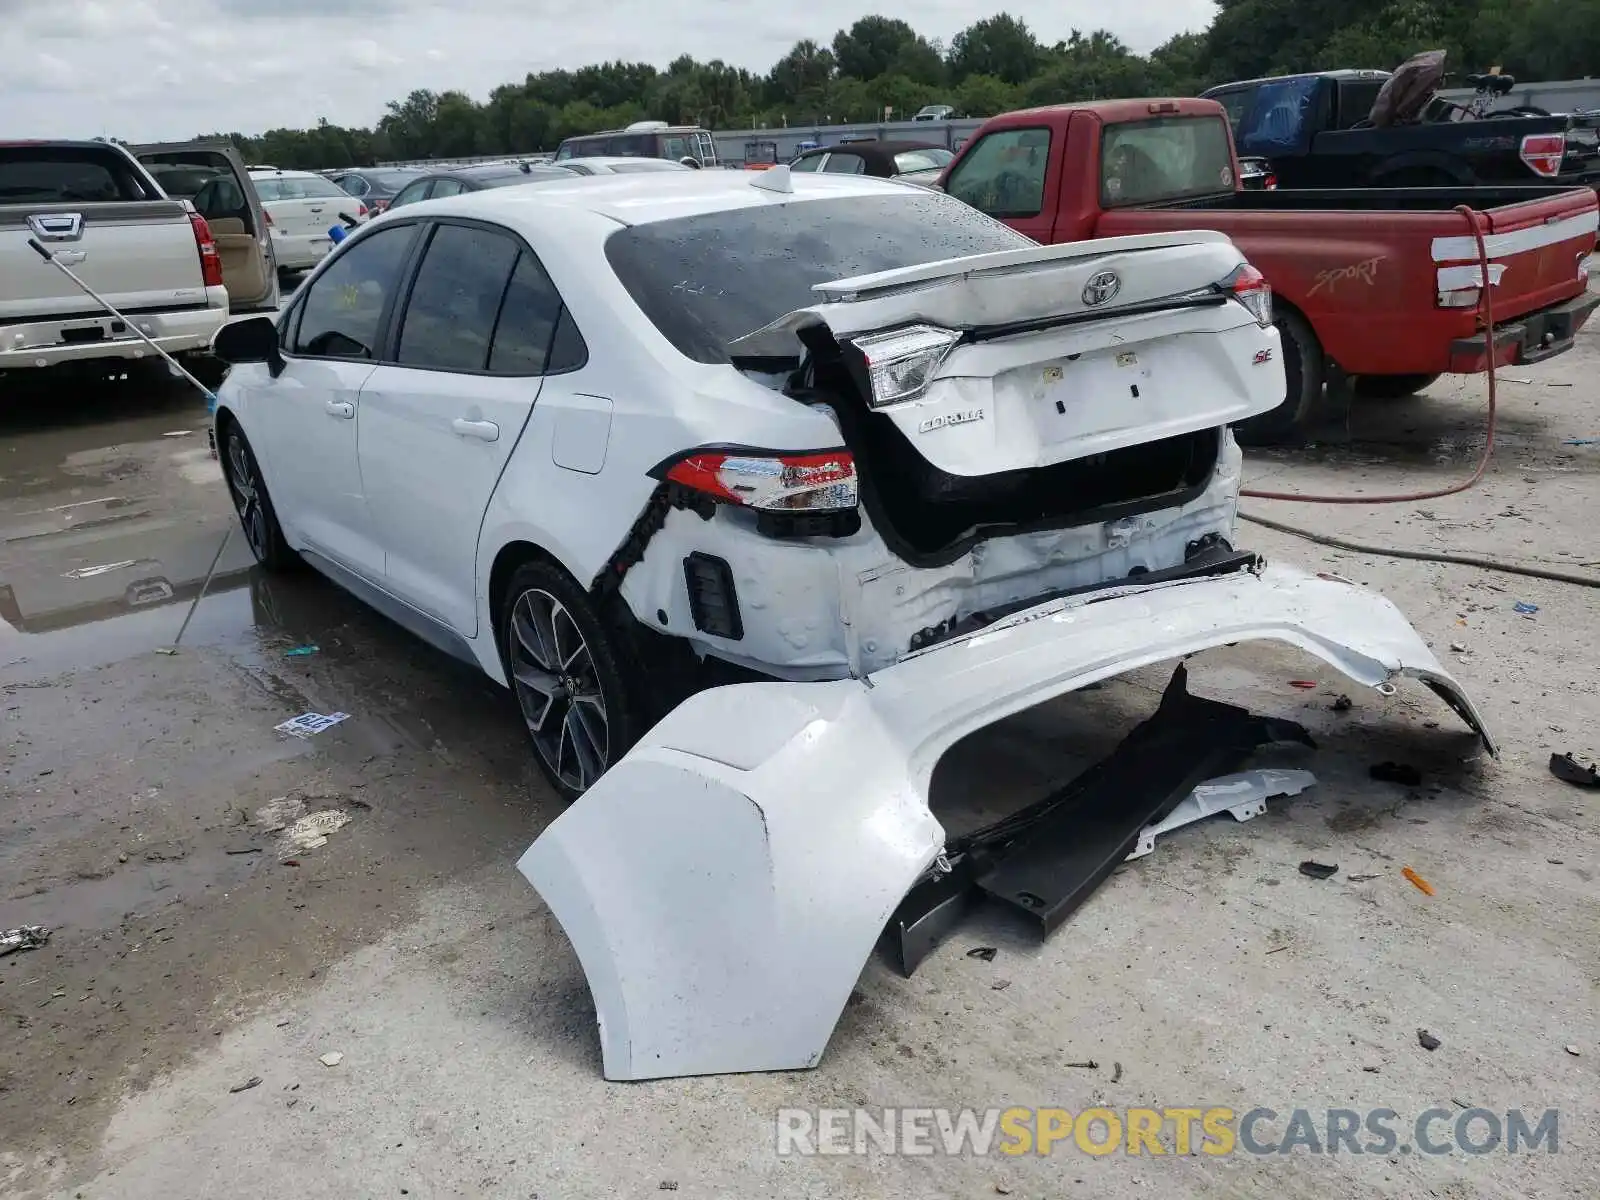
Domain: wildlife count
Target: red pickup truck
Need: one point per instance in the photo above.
(1381, 284)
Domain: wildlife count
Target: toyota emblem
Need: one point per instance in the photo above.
(1101, 288)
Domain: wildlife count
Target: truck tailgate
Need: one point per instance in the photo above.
(1538, 245)
(138, 254)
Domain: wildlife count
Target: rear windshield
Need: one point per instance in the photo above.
(292, 187)
(705, 280)
(921, 160)
(67, 175)
(1164, 159)
(510, 176)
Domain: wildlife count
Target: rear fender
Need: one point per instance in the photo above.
(725, 882)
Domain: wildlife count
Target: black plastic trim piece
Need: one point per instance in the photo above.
(713, 596)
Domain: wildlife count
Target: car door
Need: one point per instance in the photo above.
(332, 337)
(233, 211)
(438, 424)
(1010, 175)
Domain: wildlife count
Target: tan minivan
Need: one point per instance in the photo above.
(212, 177)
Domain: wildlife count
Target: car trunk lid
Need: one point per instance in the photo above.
(1050, 353)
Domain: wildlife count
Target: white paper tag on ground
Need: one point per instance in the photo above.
(309, 723)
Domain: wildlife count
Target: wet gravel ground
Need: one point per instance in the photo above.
(188, 957)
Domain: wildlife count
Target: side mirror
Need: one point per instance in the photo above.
(249, 341)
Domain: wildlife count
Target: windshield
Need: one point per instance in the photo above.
(1164, 159)
(66, 174)
(921, 160)
(705, 280)
(297, 187)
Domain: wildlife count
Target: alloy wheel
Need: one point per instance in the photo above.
(558, 688)
(246, 490)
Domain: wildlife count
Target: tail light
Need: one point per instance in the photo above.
(268, 217)
(210, 260)
(814, 482)
(361, 212)
(1543, 153)
(1250, 288)
(900, 365)
(1270, 183)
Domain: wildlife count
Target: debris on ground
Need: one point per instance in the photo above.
(1360, 878)
(1572, 1050)
(667, 1185)
(1087, 1064)
(331, 1059)
(1526, 609)
(179, 433)
(1000, 985)
(986, 953)
(1459, 648)
(1392, 772)
(301, 651)
(1589, 441)
(1316, 870)
(24, 937)
(1306, 684)
(253, 1082)
(1417, 881)
(312, 830)
(102, 569)
(1116, 1072)
(1569, 770)
(308, 724)
(1427, 1041)
(1342, 704)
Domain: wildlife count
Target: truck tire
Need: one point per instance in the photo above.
(1303, 373)
(1392, 387)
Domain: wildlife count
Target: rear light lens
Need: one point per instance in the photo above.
(900, 364)
(210, 260)
(1250, 288)
(1543, 153)
(268, 216)
(817, 482)
(361, 211)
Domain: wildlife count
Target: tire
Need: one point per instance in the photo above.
(248, 489)
(1304, 372)
(564, 666)
(1392, 387)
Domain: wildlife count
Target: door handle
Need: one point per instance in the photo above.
(340, 408)
(484, 431)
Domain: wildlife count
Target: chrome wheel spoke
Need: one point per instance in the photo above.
(553, 674)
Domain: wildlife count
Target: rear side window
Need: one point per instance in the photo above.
(67, 175)
(1169, 158)
(1003, 175)
(526, 338)
(809, 163)
(706, 280)
(342, 316)
(409, 194)
(845, 164)
(1278, 117)
(450, 317)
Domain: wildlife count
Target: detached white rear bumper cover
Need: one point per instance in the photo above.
(725, 882)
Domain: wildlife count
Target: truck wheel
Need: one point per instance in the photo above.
(1392, 387)
(1303, 378)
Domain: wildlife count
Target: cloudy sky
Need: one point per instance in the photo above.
(163, 69)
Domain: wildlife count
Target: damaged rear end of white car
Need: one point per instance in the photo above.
(1030, 488)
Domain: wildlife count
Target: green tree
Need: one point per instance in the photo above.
(984, 96)
(1001, 46)
(873, 45)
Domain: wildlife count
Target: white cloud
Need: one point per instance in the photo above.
(80, 67)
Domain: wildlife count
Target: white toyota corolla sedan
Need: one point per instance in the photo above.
(617, 439)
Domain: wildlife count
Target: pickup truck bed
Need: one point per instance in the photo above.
(98, 210)
(1378, 283)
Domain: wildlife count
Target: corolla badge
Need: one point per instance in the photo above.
(945, 420)
(1101, 288)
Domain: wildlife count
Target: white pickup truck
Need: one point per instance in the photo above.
(97, 208)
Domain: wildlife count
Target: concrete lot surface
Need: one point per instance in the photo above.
(187, 959)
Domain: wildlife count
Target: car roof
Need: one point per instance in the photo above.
(275, 172)
(642, 199)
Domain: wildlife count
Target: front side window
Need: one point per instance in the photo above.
(445, 187)
(342, 316)
(809, 162)
(677, 146)
(449, 320)
(1003, 175)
